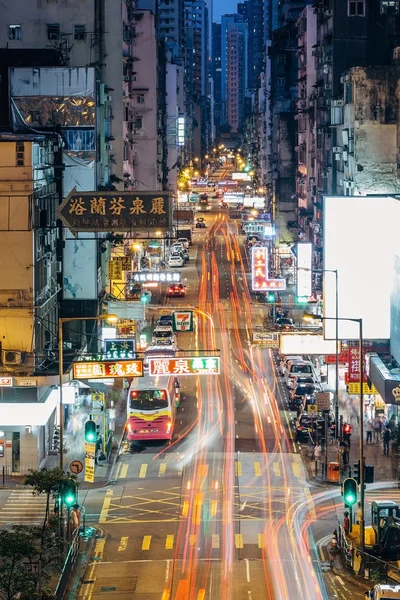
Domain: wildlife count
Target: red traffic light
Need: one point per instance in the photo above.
(347, 429)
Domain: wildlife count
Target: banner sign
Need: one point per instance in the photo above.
(354, 365)
(90, 450)
(118, 265)
(196, 365)
(259, 272)
(157, 276)
(117, 349)
(106, 370)
(183, 320)
(116, 211)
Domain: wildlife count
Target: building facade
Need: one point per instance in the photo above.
(234, 33)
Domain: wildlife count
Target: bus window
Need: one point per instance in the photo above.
(148, 399)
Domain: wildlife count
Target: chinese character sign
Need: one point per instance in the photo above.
(204, 365)
(118, 211)
(116, 349)
(354, 365)
(157, 276)
(259, 268)
(105, 370)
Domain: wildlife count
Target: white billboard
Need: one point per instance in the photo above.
(360, 238)
(80, 266)
(241, 176)
(299, 343)
(304, 256)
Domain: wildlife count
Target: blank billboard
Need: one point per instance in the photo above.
(294, 343)
(359, 241)
(304, 257)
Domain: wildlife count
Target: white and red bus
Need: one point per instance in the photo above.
(151, 408)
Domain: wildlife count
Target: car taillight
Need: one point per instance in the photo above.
(134, 394)
(129, 427)
(169, 425)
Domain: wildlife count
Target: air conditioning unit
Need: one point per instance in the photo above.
(109, 98)
(11, 357)
(348, 185)
(328, 13)
(108, 146)
(127, 78)
(338, 156)
(59, 266)
(336, 149)
(337, 103)
(327, 86)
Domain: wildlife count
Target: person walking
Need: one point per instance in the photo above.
(317, 456)
(346, 523)
(387, 436)
(377, 429)
(369, 427)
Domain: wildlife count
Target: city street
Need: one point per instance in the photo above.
(224, 512)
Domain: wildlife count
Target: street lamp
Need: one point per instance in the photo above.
(61, 321)
(361, 471)
(336, 340)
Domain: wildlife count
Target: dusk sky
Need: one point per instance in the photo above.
(223, 7)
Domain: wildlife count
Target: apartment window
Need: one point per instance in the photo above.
(80, 32)
(356, 8)
(138, 123)
(53, 31)
(140, 98)
(281, 82)
(20, 154)
(14, 32)
(390, 6)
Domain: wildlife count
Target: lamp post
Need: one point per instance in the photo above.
(361, 473)
(61, 321)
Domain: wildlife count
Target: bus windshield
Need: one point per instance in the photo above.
(148, 399)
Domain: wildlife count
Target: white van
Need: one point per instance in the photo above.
(295, 368)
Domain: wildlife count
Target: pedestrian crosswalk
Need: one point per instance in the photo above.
(146, 543)
(249, 469)
(22, 507)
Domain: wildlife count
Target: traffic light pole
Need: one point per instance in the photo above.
(362, 466)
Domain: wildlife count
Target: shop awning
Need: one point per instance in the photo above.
(387, 383)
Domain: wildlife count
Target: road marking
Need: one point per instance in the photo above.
(146, 542)
(261, 543)
(124, 471)
(214, 505)
(276, 469)
(238, 469)
(198, 502)
(238, 540)
(105, 507)
(143, 471)
(257, 469)
(311, 505)
(185, 508)
(296, 469)
(247, 570)
(123, 544)
(162, 469)
(215, 540)
(192, 539)
(118, 471)
(169, 542)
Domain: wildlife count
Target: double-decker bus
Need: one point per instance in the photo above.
(151, 408)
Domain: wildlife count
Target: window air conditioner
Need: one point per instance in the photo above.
(11, 357)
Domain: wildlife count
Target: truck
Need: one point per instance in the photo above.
(186, 232)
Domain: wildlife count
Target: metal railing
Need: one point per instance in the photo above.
(69, 564)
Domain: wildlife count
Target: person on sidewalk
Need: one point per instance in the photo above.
(333, 551)
(377, 429)
(317, 456)
(358, 513)
(369, 428)
(346, 523)
(387, 436)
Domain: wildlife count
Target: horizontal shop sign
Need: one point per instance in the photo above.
(354, 388)
(157, 276)
(6, 381)
(100, 370)
(269, 339)
(194, 365)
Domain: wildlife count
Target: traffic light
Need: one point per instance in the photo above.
(347, 429)
(349, 491)
(69, 495)
(356, 471)
(270, 297)
(144, 298)
(90, 431)
(302, 299)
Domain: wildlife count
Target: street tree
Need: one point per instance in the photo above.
(17, 547)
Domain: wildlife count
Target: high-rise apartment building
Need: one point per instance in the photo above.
(233, 70)
(216, 75)
(252, 12)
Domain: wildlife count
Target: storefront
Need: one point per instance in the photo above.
(387, 384)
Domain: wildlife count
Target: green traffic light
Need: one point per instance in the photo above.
(349, 491)
(302, 299)
(271, 297)
(90, 437)
(70, 499)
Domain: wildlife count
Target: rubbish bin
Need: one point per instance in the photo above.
(333, 472)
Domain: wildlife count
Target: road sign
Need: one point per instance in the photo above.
(31, 567)
(324, 400)
(116, 211)
(183, 320)
(76, 467)
(90, 450)
(312, 410)
(97, 402)
(263, 338)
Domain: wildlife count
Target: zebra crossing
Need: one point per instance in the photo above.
(22, 507)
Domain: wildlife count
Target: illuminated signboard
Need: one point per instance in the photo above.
(259, 272)
(241, 176)
(304, 255)
(196, 365)
(100, 370)
(157, 276)
(116, 349)
(181, 131)
(6, 381)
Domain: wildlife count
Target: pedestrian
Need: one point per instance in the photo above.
(358, 513)
(317, 455)
(346, 523)
(345, 452)
(369, 427)
(387, 436)
(392, 423)
(333, 550)
(377, 429)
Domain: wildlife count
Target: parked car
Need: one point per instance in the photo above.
(284, 323)
(163, 336)
(303, 392)
(200, 222)
(180, 249)
(176, 260)
(284, 363)
(176, 290)
(183, 241)
(301, 380)
(164, 320)
(296, 368)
